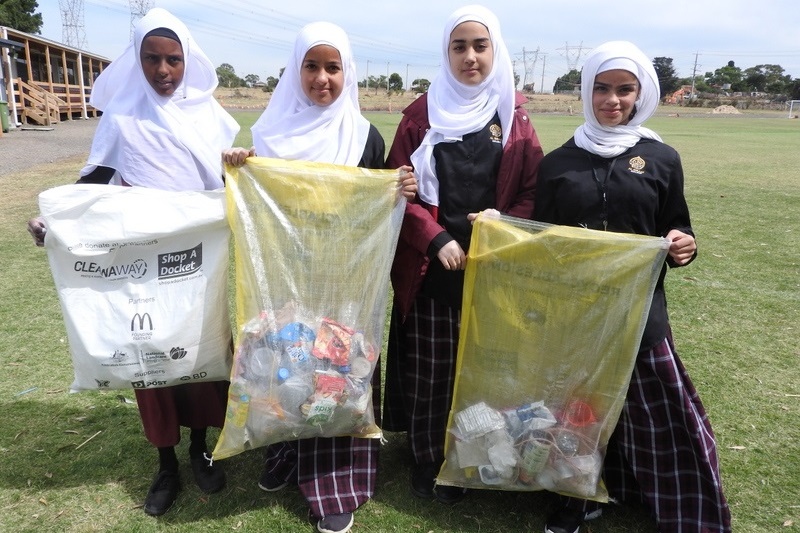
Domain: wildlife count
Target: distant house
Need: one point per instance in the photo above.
(684, 93)
(45, 82)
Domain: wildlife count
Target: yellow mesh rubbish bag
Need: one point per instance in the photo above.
(314, 244)
(550, 328)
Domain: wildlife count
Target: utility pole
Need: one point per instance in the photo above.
(524, 68)
(139, 8)
(407, 77)
(694, 73)
(366, 80)
(541, 86)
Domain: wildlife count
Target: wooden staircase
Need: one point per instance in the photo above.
(37, 105)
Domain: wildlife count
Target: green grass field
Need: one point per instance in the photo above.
(79, 462)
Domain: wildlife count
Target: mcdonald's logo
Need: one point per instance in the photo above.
(139, 319)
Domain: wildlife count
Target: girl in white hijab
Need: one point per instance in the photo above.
(314, 113)
(293, 126)
(162, 128)
(617, 175)
(455, 108)
(169, 142)
(314, 116)
(473, 148)
(610, 141)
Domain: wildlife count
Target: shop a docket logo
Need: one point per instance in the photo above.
(181, 263)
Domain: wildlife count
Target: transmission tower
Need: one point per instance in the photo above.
(528, 65)
(73, 31)
(139, 8)
(573, 55)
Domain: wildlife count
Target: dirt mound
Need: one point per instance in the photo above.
(727, 110)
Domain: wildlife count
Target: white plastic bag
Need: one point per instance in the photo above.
(142, 279)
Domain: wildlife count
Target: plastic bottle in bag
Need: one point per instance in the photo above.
(294, 392)
(238, 405)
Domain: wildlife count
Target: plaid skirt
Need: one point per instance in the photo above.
(663, 452)
(335, 475)
(420, 375)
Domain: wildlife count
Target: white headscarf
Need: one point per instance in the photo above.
(456, 109)
(610, 141)
(293, 127)
(163, 142)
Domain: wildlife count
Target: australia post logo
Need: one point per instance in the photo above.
(182, 263)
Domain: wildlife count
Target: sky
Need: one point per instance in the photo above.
(545, 39)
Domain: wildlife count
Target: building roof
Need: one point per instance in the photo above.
(5, 43)
(11, 32)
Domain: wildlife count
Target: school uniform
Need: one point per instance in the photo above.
(472, 148)
(174, 142)
(663, 451)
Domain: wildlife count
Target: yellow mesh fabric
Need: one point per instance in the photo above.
(551, 323)
(314, 245)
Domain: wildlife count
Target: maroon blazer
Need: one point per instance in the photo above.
(516, 185)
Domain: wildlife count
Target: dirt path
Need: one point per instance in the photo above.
(22, 149)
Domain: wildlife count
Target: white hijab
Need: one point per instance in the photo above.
(610, 141)
(456, 109)
(163, 142)
(293, 127)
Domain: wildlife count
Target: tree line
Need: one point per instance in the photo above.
(392, 84)
(728, 80)
(725, 81)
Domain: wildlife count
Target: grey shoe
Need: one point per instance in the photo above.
(335, 523)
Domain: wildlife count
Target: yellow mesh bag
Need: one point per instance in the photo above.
(314, 244)
(551, 323)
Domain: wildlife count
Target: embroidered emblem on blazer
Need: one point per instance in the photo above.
(496, 133)
(636, 165)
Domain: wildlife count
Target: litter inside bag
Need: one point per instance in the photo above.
(299, 379)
